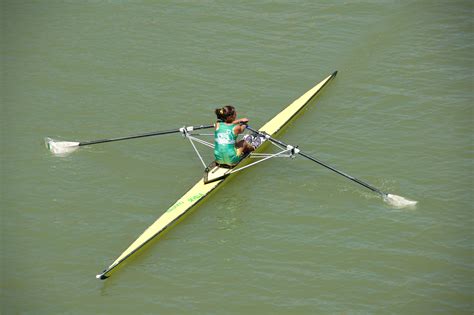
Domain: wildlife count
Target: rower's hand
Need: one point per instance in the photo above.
(242, 125)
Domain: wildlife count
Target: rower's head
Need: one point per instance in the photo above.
(226, 114)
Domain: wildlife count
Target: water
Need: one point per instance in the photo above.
(287, 237)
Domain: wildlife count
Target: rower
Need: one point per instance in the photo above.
(227, 150)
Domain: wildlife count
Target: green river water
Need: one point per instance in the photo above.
(286, 237)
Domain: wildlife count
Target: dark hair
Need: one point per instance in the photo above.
(225, 112)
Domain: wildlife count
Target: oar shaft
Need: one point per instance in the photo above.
(343, 174)
(148, 134)
(358, 181)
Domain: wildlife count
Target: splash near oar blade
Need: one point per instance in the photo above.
(61, 148)
(399, 201)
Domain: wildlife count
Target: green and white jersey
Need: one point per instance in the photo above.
(224, 144)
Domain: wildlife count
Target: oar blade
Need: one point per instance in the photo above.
(399, 201)
(61, 148)
(101, 276)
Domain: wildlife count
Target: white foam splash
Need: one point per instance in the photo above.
(399, 201)
(61, 148)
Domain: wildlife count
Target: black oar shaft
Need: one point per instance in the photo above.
(358, 181)
(148, 134)
(343, 174)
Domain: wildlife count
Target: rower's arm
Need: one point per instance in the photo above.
(241, 125)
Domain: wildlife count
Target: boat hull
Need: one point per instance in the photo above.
(204, 188)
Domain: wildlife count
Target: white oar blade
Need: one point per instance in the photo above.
(61, 148)
(399, 201)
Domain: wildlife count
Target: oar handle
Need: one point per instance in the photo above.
(321, 163)
(148, 134)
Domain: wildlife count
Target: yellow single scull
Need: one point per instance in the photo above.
(204, 188)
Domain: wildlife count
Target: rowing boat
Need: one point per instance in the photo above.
(215, 175)
(205, 186)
